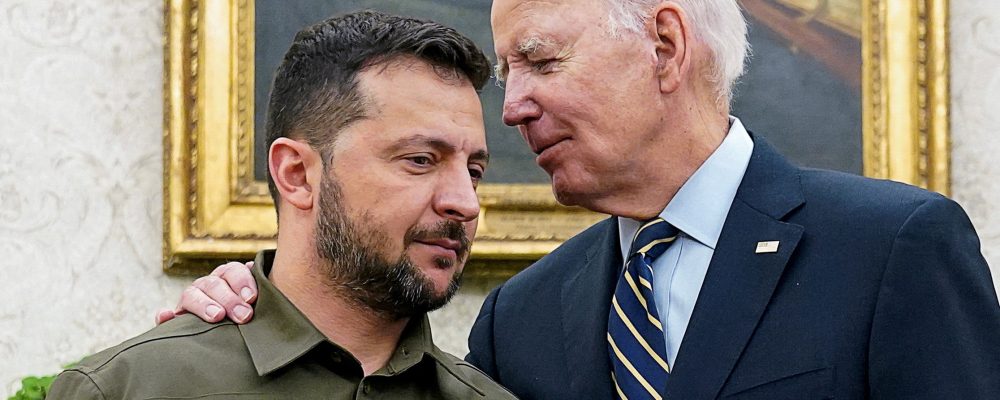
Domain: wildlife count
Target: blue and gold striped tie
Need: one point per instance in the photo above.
(636, 340)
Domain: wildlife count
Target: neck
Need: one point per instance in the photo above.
(680, 153)
(368, 336)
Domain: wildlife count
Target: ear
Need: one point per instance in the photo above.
(296, 169)
(671, 32)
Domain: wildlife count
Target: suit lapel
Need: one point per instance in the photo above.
(586, 301)
(739, 282)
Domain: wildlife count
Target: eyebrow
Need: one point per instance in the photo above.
(500, 70)
(481, 155)
(439, 145)
(531, 44)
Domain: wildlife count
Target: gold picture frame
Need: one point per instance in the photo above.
(215, 211)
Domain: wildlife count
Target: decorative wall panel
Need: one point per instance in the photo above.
(80, 179)
(975, 96)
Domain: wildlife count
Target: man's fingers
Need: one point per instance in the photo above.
(228, 290)
(240, 280)
(195, 301)
(221, 294)
(164, 315)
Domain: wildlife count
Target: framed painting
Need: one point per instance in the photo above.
(854, 85)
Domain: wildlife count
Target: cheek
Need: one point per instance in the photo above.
(584, 105)
(362, 200)
(404, 209)
(391, 235)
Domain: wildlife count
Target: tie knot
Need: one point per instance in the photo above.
(653, 238)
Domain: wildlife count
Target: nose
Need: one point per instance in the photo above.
(519, 106)
(456, 198)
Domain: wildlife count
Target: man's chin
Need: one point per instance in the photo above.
(579, 191)
(441, 282)
(568, 189)
(417, 290)
(440, 276)
(568, 195)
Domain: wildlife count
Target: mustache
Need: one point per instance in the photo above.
(448, 229)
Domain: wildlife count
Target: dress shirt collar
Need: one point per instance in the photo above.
(700, 207)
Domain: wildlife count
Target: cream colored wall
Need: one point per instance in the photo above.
(80, 179)
(975, 115)
(80, 174)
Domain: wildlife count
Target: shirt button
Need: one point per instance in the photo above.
(406, 351)
(367, 388)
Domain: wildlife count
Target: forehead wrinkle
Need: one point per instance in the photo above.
(529, 42)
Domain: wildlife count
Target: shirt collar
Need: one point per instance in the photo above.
(415, 343)
(279, 333)
(700, 207)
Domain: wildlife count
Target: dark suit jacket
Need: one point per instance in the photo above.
(877, 290)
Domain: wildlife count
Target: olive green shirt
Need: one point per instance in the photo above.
(278, 355)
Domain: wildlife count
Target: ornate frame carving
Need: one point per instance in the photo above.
(215, 211)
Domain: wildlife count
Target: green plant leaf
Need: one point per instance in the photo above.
(36, 387)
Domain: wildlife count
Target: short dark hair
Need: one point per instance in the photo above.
(315, 91)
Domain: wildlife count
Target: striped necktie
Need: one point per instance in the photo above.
(636, 341)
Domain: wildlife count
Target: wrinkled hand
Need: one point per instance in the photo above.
(215, 297)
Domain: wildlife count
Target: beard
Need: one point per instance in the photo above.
(358, 269)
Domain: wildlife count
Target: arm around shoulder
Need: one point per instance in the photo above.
(936, 327)
(74, 384)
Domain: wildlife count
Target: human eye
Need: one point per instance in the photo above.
(476, 172)
(543, 66)
(419, 162)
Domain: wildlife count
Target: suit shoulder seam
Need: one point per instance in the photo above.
(891, 253)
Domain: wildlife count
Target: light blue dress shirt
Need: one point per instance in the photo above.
(698, 210)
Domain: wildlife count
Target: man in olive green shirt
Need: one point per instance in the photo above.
(376, 147)
(280, 354)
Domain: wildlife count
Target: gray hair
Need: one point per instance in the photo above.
(718, 23)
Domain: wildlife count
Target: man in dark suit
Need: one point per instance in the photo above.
(876, 290)
(724, 271)
(778, 282)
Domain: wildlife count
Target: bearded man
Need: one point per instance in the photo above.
(375, 187)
